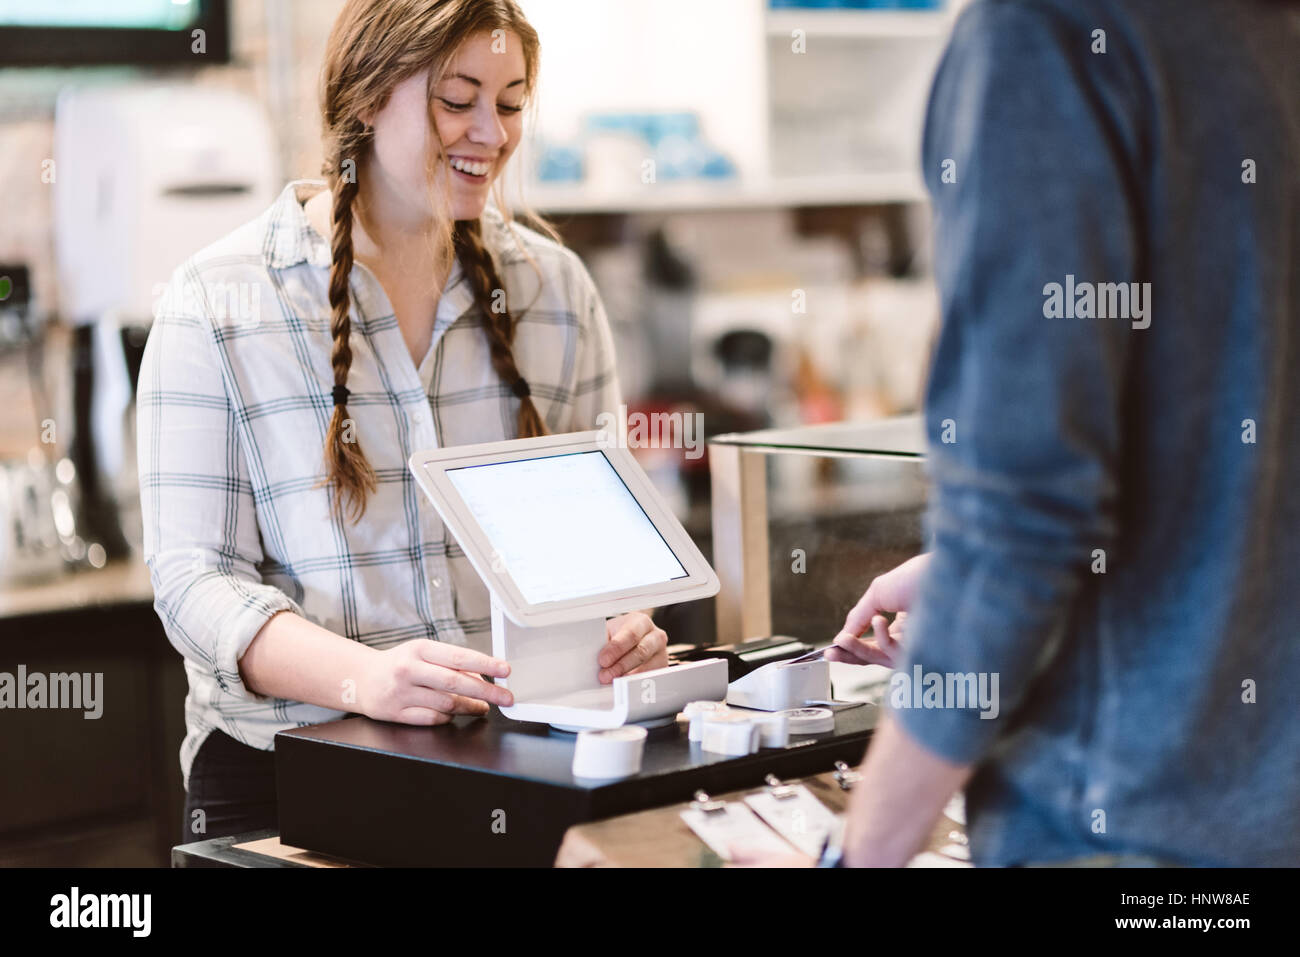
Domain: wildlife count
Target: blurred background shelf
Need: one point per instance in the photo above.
(849, 189)
(831, 120)
(860, 23)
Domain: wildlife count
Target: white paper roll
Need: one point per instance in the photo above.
(773, 730)
(696, 711)
(729, 732)
(810, 720)
(609, 753)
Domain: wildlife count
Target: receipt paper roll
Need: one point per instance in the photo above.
(696, 711)
(609, 753)
(729, 732)
(773, 729)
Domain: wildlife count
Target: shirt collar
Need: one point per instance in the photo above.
(291, 239)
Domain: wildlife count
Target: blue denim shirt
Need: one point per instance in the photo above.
(1114, 515)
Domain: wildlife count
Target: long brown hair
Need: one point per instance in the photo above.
(373, 46)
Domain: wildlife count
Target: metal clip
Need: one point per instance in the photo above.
(706, 804)
(782, 792)
(845, 776)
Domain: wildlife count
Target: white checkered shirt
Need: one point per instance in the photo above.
(233, 404)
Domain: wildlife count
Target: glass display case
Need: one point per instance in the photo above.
(804, 518)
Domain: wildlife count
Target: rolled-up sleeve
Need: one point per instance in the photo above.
(1023, 410)
(201, 539)
(596, 386)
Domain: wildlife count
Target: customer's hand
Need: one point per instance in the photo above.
(427, 682)
(635, 644)
(868, 637)
(742, 856)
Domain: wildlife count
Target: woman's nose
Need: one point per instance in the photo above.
(487, 129)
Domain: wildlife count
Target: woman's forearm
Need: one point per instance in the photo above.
(293, 658)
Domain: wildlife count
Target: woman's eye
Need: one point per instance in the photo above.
(461, 107)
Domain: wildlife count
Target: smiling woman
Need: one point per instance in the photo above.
(433, 139)
(397, 308)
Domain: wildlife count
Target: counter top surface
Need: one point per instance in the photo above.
(498, 745)
(117, 583)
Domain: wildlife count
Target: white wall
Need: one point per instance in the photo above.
(704, 56)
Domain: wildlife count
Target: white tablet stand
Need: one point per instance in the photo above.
(553, 676)
(552, 647)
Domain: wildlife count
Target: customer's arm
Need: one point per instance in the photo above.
(1023, 409)
(887, 825)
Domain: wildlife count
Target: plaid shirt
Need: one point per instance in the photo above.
(233, 404)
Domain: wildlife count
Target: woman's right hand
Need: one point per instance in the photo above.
(427, 682)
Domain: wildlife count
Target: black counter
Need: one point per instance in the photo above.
(490, 792)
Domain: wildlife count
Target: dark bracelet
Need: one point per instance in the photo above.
(832, 854)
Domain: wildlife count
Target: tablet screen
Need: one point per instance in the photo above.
(565, 526)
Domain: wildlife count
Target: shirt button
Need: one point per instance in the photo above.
(435, 582)
(417, 418)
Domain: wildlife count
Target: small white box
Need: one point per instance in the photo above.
(782, 685)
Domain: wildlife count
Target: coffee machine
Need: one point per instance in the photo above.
(145, 174)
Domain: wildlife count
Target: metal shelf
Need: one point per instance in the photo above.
(864, 24)
(903, 186)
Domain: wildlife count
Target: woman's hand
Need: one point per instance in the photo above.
(893, 591)
(635, 645)
(427, 682)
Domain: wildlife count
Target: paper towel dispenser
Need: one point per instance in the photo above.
(146, 174)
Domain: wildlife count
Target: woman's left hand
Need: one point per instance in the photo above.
(635, 644)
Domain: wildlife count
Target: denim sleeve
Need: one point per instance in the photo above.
(1023, 411)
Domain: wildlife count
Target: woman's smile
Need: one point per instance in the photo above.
(472, 169)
